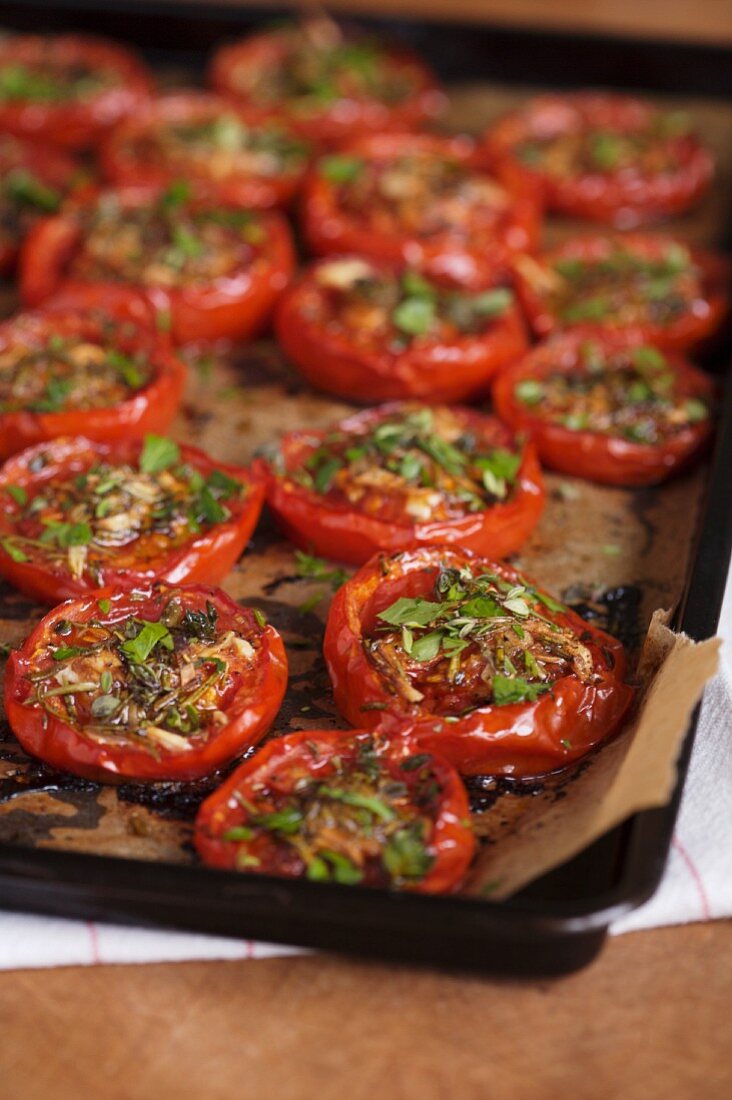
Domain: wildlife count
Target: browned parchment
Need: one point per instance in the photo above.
(617, 555)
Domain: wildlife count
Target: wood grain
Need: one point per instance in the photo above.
(663, 19)
(647, 1021)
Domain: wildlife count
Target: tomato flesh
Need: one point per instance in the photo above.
(608, 407)
(341, 807)
(400, 476)
(475, 661)
(157, 683)
(75, 516)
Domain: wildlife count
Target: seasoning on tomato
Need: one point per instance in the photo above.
(673, 296)
(420, 200)
(608, 408)
(94, 366)
(33, 182)
(77, 515)
(242, 159)
(608, 158)
(342, 806)
(404, 475)
(213, 271)
(366, 332)
(329, 84)
(153, 684)
(67, 90)
(474, 661)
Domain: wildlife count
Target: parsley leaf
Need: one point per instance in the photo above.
(139, 649)
(514, 689)
(158, 453)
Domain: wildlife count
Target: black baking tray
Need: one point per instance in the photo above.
(559, 923)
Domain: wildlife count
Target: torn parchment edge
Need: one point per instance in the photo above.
(636, 771)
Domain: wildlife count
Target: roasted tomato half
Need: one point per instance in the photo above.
(33, 182)
(670, 295)
(420, 200)
(342, 806)
(331, 86)
(401, 476)
(157, 683)
(93, 366)
(67, 90)
(474, 661)
(366, 332)
(222, 153)
(212, 271)
(604, 157)
(77, 515)
(607, 408)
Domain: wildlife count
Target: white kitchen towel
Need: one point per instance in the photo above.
(697, 884)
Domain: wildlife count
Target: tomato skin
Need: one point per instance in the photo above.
(334, 530)
(622, 199)
(436, 371)
(123, 167)
(452, 841)
(591, 455)
(330, 230)
(53, 167)
(75, 125)
(207, 557)
(331, 125)
(695, 327)
(236, 306)
(521, 740)
(250, 714)
(150, 409)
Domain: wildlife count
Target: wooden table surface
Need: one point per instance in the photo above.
(649, 1020)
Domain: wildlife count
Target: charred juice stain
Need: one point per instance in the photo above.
(616, 610)
(641, 505)
(177, 801)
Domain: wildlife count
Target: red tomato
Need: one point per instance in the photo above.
(608, 158)
(608, 408)
(286, 70)
(33, 181)
(316, 788)
(68, 90)
(44, 485)
(365, 506)
(571, 698)
(346, 343)
(221, 285)
(121, 637)
(670, 295)
(420, 200)
(104, 321)
(225, 153)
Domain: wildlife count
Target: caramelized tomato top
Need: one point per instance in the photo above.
(590, 136)
(476, 639)
(630, 393)
(213, 140)
(157, 680)
(50, 76)
(311, 66)
(620, 282)
(375, 307)
(165, 242)
(412, 464)
(49, 372)
(127, 513)
(339, 808)
(421, 193)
